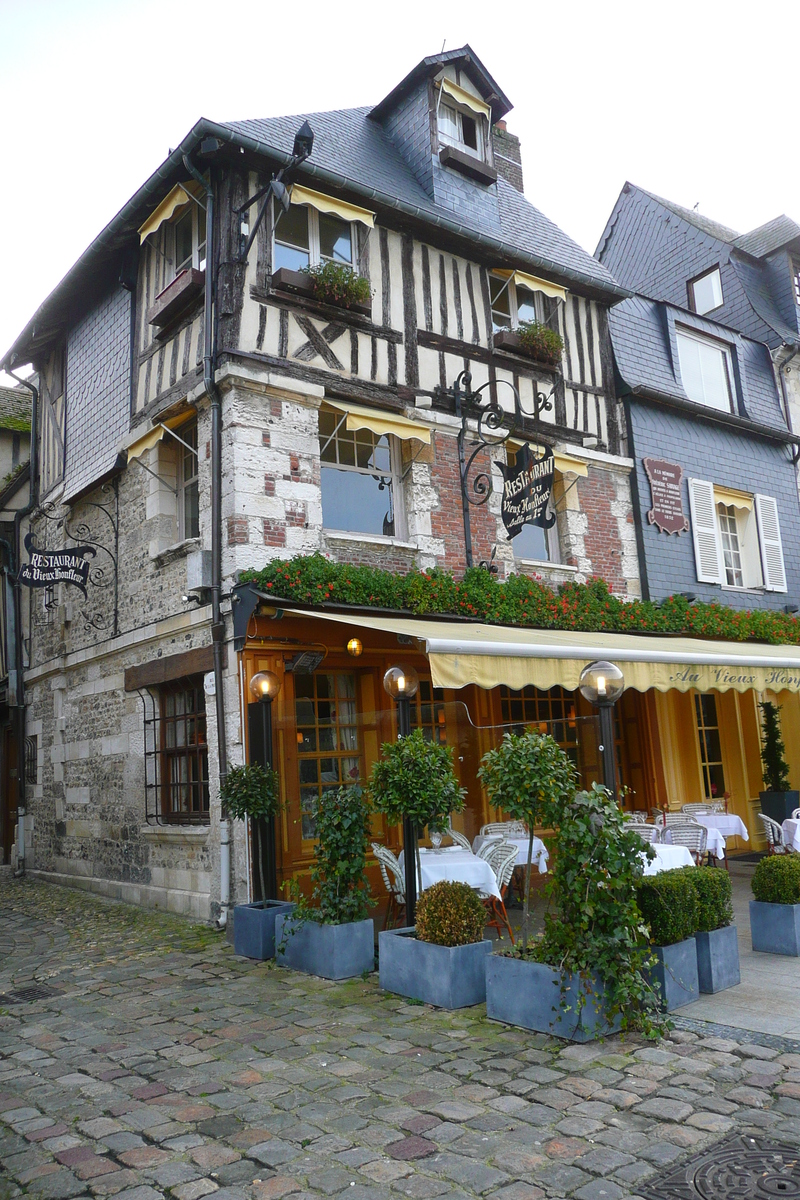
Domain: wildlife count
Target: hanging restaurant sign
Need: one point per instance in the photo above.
(665, 487)
(527, 487)
(47, 567)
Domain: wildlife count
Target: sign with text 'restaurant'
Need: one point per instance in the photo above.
(665, 487)
(527, 487)
(48, 567)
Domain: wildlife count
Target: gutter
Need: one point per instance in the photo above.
(17, 614)
(728, 420)
(217, 623)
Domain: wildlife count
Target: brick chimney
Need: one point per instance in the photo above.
(507, 155)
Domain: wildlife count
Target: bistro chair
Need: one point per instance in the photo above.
(775, 839)
(678, 818)
(696, 808)
(502, 860)
(796, 815)
(693, 836)
(394, 882)
(488, 847)
(506, 829)
(638, 817)
(648, 833)
(458, 838)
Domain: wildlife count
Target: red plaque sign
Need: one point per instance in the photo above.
(665, 485)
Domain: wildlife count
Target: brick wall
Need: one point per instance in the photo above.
(507, 155)
(602, 542)
(447, 519)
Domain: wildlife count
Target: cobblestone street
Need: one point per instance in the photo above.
(162, 1066)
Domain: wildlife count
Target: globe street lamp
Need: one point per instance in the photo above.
(602, 684)
(264, 687)
(402, 684)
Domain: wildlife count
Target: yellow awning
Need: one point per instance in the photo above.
(154, 436)
(489, 655)
(329, 204)
(180, 195)
(466, 99)
(380, 422)
(532, 282)
(733, 497)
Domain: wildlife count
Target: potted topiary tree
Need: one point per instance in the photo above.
(587, 975)
(775, 911)
(715, 934)
(668, 904)
(331, 934)
(442, 960)
(251, 791)
(778, 800)
(415, 780)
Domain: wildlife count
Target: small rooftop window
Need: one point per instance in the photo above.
(796, 279)
(705, 292)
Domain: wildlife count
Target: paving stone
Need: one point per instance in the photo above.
(194, 1190)
(665, 1110)
(410, 1148)
(599, 1189)
(518, 1191)
(604, 1160)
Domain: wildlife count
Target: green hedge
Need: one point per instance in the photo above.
(668, 904)
(519, 600)
(713, 890)
(776, 879)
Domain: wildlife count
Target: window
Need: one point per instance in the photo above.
(428, 714)
(513, 304)
(533, 543)
(705, 292)
(360, 477)
(188, 495)
(327, 738)
(705, 707)
(796, 280)
(304, 237)
(462, 130)
(705, 370)
(186, 240)
(553, 711)
(737, 538)
(184, 751)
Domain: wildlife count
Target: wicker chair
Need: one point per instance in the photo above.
(774, 832)
(639, 817)
(696, 808)
(502, 860)
(488, 847)
(796, 815)
(648, 833)
(677, 818)
(395, 884)
(458, 838)
(506, 829)
(691, 835)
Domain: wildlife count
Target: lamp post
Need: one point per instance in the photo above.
(402, 684)
(264, 687)
(602, 684)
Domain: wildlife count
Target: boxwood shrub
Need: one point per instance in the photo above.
(713, 890)
(776, 879)
(450, 914)
(668, 904)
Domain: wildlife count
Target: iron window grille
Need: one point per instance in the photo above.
(32, 759)
(175, 753)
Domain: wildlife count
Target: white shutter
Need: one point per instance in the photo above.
(705, 531)
(769, 536)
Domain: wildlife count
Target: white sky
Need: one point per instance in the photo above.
(695, 101)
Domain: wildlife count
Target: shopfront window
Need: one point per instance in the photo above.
(705, 705)
(327, 738)
(550, 712)
(427, 713)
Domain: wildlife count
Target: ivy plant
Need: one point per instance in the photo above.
(337, 283)
(530, 778)
(415, 780)
(339, 884)
(251, 791)
(596, 930)
(773, 750)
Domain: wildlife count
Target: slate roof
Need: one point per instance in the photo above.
(348, 142)
(770, 237)
(716, 230)
(645, 353)
(500, 103)
(15, 408)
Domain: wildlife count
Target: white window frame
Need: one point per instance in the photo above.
(513, 302)
(758, 535)
(796, 280)
(692, 295)
(395, 475)
(198, 259)
(691, 335)
(314, 257)
(458, 143)
(184, 480)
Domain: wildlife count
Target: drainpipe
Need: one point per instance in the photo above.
(18, 519)
(217, 624)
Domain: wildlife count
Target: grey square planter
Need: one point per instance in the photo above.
(528, 994)
(254, 927)
(718, 959)
(779, 805)
(775, 928)
(330, 951)
(445, 976)
(675, 974)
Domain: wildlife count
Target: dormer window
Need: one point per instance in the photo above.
(796, 279)
(462, 130)
(705, 292)
(305, 237)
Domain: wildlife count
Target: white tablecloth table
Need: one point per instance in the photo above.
(668, 858)
(457, 865)
(540, 851)
(728, 824)
(791, 833)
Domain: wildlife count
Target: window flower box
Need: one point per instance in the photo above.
(330, 951)
(299, 283)
(509, 339)
(445, 976)
(176, 297)
(467, 164)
